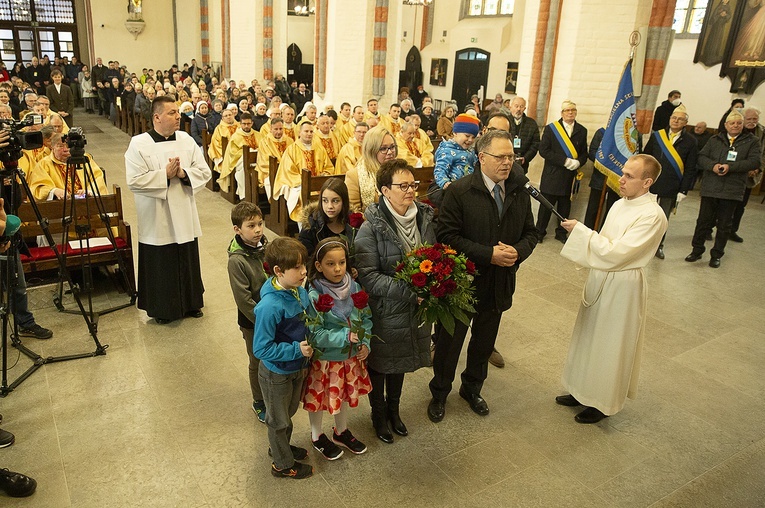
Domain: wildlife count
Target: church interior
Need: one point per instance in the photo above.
(164, 418)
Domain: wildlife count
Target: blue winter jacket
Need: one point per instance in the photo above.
(280, 328)
(452, 162)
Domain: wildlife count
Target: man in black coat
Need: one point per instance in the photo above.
(675, 180)
(525, 132)
(495, 229)
(726, 161)
(664, 111)
(561, 165)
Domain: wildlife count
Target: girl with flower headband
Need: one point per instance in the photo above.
(337, 376)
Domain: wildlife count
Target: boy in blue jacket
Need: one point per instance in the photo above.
(281, 346)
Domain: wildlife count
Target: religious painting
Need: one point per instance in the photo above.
(511, 78)
(749, 44)
(438, 71)
(715, 31)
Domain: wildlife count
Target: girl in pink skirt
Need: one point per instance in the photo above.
(337, 377)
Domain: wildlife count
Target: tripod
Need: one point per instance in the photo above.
(78, 163)
(11, 267)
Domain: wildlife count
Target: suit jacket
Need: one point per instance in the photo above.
(528, 132)
(469, 222)
(556, 178)
(669, 184)
(61, 101)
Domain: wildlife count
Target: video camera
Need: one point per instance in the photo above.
(76, 142)
(20, 140)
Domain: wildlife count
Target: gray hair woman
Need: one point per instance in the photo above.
(394, 226)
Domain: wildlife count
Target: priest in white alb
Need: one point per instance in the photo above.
(603, 362)
(164, 169)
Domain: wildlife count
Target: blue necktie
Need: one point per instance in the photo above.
(498, 198)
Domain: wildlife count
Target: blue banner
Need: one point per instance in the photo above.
(620, 141)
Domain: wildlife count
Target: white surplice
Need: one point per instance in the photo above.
(603, 361)
(167, 211)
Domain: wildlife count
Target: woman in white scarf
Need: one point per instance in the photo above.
(379, 146)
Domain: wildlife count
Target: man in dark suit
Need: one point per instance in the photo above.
(525, 132)
(61, 97)
(676, 151)
(486, 216)
(564, 149)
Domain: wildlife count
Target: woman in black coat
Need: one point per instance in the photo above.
(394, 226)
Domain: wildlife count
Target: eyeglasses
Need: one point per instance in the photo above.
(571, 110)
(387, 149)
(502, 158)
(406, 186)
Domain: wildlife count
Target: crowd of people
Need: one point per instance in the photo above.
(301, 347)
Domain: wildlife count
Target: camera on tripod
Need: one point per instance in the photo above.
(20, 140)
(76, 142)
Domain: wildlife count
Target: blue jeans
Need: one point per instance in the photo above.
(281, 393)
(22, 316)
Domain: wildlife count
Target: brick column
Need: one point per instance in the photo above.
(380, 47)
(268, 39)
(204, 24)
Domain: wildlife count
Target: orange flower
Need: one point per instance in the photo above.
(426, 266)
(449, 250)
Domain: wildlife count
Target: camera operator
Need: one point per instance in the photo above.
(14, 484)
(47, 180)
(24, 319)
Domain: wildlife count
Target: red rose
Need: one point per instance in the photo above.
(438, 291)
(470, 267)
(360, 299)
(449, 286)
(433, 254)
(419, 279)
(324, 303)
(356, 220)
(399, 267)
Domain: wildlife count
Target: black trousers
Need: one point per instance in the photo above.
(713, 211)
(562, 204)
(592, 206)
(169, 279)
(485, 326)
(666, 204)
(739, 211)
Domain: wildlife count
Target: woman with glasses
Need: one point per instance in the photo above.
(395, 226)
(455, 157)
(378, 146)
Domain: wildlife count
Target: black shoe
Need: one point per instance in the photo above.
(396, 424)
(36, 331)
(346, 439)
(590, 415)
(660, 252)
(436, 410)
(567, 400)
(161, 321)
(327, 448)
(6, 438)
(477, 404)
(714, 262)
(382, 431)
(692, 257)
(733, 237)
(298, 453)
(561, 238)
(16, 484)
(298, 471)
(195, 313)
(541, 237)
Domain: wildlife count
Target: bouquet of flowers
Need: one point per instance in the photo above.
(443, 279)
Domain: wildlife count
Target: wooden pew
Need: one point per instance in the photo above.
(425, 177)
(229, 195)
(212, 184)
(252, 192)
(43, 259)
(278, 219)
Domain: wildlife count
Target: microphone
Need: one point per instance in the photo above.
(12, 225)
(534, 193)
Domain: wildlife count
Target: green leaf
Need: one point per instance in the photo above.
(448, 322)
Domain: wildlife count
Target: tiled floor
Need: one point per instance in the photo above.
(164, 419)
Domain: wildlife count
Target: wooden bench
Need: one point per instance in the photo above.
(229, 195)
(253, 192)
(212, 183)
(43, 259)
(278, 218)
